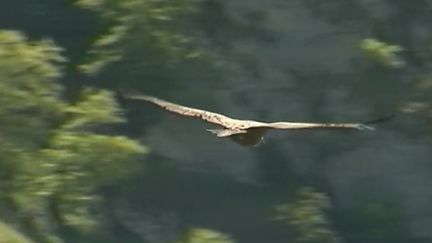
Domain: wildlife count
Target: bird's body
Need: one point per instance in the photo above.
(244, 132)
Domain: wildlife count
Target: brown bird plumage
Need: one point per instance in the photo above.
(244, 132)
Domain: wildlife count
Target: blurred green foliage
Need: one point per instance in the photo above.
(151, 28)
(9, 235)
(306, 216)
(52, 157)
(200, 235)
(382, 53)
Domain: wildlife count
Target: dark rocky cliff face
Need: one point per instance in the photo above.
(301, 61)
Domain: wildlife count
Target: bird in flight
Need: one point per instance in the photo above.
(244, 132)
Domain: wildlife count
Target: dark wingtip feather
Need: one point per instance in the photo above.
(364, 127)
(381, 119)
(135, 95)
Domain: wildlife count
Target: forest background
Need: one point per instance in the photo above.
(79, 163)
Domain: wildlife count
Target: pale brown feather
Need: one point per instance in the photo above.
(305, 125)
(208, 116)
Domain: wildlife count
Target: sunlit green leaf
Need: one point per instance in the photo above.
(383, 53)
(201, 235)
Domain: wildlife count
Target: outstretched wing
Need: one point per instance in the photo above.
(208, 116)
(304, 125)
(235, 126)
